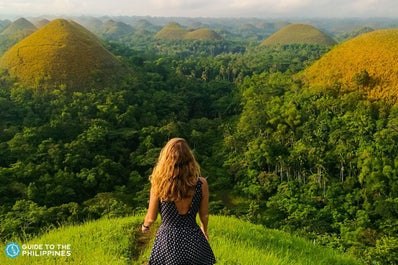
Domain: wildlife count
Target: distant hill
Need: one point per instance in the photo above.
(172, 31)
(93, 24)
(62, 52)
(202, 34)
(4, 24)
(270, 27)
(116, 29)
(299, 33)
(41, 23)
(144, 25)
(248, 26)
(354, 33)
(368, 61)
(197, 25)
(19, 29)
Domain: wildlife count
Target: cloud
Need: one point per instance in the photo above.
(206, 8)
(67, 6)
(188, 7)
(317, 8)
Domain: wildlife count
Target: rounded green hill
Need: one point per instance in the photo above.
(374, 54)
(4, 23)
(202, 34)
(144, 25)
(172, 31)
(19, 29)
(62, 52)
(116, 29)
(299, 33)
(41, 23)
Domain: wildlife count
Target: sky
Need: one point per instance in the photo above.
(204, 8)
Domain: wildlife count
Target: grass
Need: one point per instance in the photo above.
(237, 242)
(107, 241)
(119, 241)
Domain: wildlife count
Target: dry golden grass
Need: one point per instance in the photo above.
(375, 52)
(299, 33)
(62, 52)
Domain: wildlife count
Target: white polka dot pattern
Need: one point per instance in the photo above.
(179, 239)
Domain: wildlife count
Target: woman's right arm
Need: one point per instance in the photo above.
(152, 212)
(204, 207)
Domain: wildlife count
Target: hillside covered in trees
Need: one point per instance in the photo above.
(280, 148)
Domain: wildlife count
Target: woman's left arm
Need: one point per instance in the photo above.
(152, 213)
(204, 208)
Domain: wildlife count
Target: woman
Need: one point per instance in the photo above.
(179, 192)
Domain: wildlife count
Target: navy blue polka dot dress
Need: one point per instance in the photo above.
(179, 239)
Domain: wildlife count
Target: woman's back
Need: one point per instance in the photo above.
(179, 192)
(179, 239)
(171, 216)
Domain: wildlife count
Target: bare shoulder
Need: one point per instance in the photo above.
(205, 186)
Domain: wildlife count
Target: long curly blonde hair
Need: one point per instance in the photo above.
(176, 172)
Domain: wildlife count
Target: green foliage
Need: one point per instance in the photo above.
(333, 163)
(386, 251)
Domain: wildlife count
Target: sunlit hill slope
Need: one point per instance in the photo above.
(202, 34)
(61, 52)
(368, 61)
(299, 33)
(120, 241)
(174, 31)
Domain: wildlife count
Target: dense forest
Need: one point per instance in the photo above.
(320, 163)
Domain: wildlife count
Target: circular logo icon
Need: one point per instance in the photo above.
(12, 250)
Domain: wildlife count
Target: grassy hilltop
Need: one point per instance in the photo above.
(119, 241)
(367, 62)
(62, 52)
(299, 33)
(174, 31)
(19, 29)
